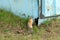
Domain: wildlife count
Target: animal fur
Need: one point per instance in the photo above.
(30, 23)
(30, 26)
(36, 21)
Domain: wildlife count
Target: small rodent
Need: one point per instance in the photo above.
(30, 23)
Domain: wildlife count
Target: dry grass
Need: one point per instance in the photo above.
(13, 28)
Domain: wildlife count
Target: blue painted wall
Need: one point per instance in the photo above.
(49, 8)
(23, 8)
(30, 7)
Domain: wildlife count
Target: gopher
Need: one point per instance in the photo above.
(30, 25)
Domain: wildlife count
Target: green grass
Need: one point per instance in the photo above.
(8, 17)
(10, 24)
